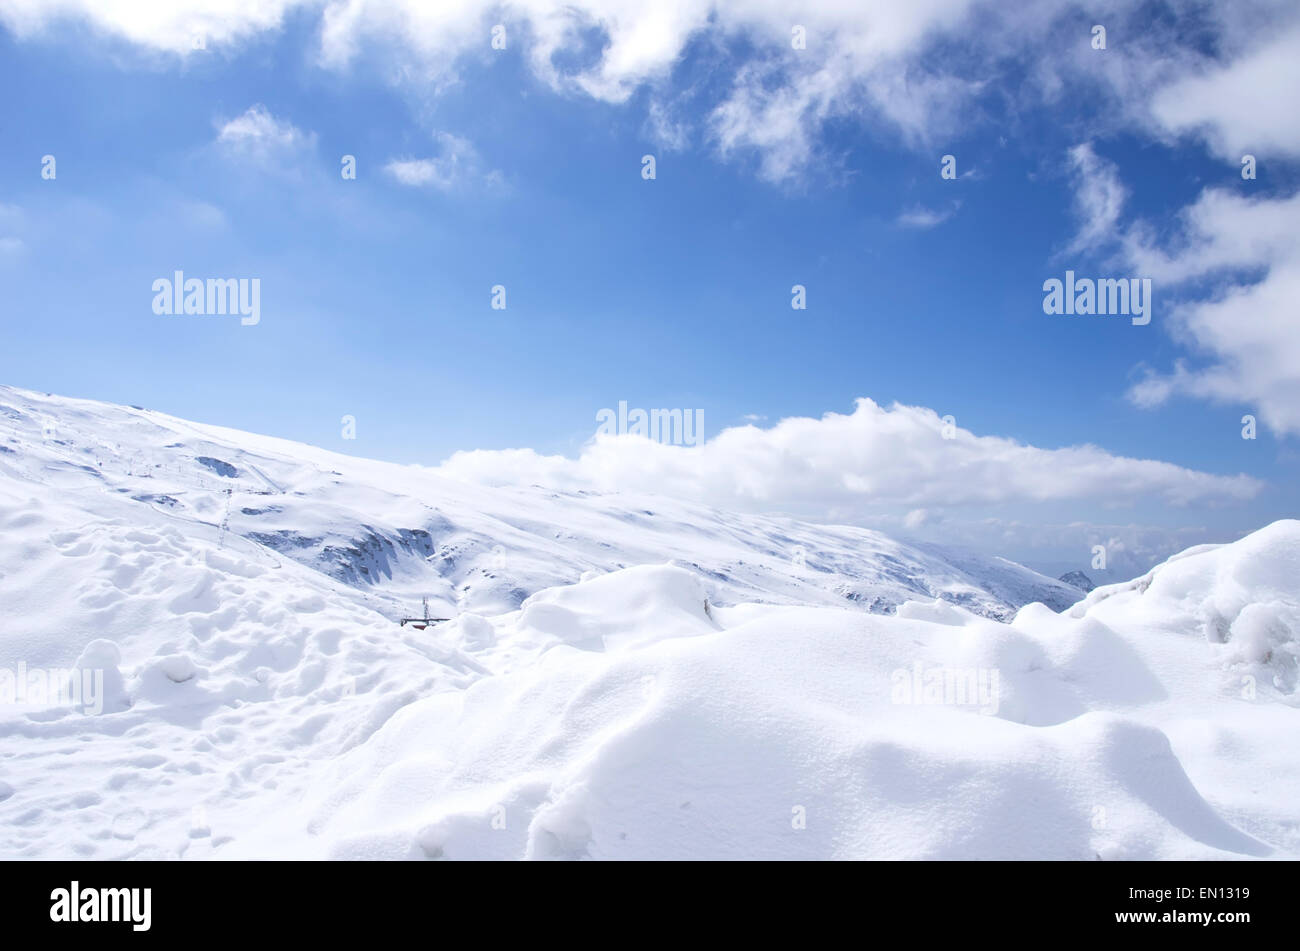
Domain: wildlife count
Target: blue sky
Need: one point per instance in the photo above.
(375, 292)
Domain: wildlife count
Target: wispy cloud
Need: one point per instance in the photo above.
(456, 165)
(259, 134)
(922, 218)
(10, 222)
(1099, 198)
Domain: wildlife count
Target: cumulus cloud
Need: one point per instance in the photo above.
(169, 27)
(1248, 250)
(1232, 104)
(874, 456)
(1234, 258)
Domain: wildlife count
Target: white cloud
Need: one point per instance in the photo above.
(922, 218)
(1099, 198)
(872, 457)
(1234, 257)
(456, 165)
(1222, 232)
(915, 519)
(258, 133)
(776, 122)
(917, 66)
(417, 172)
(1248, 326)
(667, 133)
(167, 27)
(11, 219)
(860, 57)
(1239, 106)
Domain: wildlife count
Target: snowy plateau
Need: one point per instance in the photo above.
(621, 676)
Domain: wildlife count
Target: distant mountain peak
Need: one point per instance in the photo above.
(1079, 580)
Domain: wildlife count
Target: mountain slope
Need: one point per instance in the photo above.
(400, 532)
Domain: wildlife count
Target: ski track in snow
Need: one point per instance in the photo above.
(626, 677)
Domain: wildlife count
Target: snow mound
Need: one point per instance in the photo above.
(624, 609)
(785, 736)
(1244, 596)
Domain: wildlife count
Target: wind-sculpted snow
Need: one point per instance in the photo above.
(623, 677)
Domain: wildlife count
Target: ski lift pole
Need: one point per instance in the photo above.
(420, 623)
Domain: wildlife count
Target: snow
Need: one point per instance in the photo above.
(624, 677)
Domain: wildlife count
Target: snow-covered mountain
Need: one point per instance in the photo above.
(624, 676)
(399, 533)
